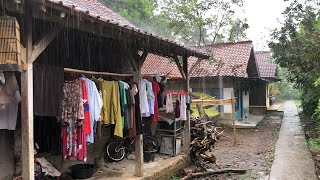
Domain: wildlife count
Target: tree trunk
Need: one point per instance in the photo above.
(208, 173)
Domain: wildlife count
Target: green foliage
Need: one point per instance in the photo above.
(285, 90)
(296, 47)
(316, 114)
(314, 145)
(199, 22)
(193, 22)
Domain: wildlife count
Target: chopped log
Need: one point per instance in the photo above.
(189, 170)
(202, 113)
(208, 173)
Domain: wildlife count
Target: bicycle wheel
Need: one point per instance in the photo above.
(148, 142)
(115, 151)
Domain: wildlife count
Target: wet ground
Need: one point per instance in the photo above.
(254, 150)
(293, 160)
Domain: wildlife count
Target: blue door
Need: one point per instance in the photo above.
(239, 103)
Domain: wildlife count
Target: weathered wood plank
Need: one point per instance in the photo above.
(233, 118)
(180, 67)
(27, 102)
(42, 44)
(139, 138)
(186, 135)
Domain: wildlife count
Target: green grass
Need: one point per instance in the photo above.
(314, 144)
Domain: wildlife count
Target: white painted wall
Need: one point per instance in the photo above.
(227, 95)
(246, 102)
(267, 96)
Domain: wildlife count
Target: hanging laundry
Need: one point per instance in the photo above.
(127, 108)
(134, 109)
(177, 111)
(137, 113)
(151, 98)
(144, 98)
(183, 106)
(156, 90)
(123, 101)
(169, 104)
(72, 104)
(8, 89)
(111, 111)
(85, 99)
(95, 106)
(9, 101)
(2, 79)
(72, 118)
(81, 144)
(149, 106)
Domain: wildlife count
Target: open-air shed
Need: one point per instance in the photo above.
(82, 35)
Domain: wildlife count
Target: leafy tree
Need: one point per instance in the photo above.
(296, 46)
(193, 22)
(284, 89)
(199, 22)
(142, 14)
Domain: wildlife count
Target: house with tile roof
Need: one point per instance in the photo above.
(76, 37)
(231, 69)
(260, 93)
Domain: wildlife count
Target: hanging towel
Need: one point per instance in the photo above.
(169, 104)
(177, 109)
(183, 107)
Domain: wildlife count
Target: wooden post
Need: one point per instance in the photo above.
(233, 118)
(139, 138)
(186, 136)
(27, 101)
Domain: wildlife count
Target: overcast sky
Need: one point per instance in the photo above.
(263, 16)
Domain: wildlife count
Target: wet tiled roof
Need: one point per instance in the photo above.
(266, 69)
(229, 59)
(97, 10)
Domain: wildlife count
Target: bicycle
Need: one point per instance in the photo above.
(117, 150)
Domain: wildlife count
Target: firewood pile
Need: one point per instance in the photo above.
(204, 135)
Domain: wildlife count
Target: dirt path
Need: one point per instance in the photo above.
(254, 151)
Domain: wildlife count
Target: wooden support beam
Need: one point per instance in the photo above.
(233, 118)
(27, 101)
(42, 44)
(143, 57)
(182, 72)
(139, 138)
(23, 55)
(214, 102)
(96, 73)
(186, 131)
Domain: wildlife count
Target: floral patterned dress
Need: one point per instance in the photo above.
(72, 118)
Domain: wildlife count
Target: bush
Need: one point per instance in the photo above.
(314, 145)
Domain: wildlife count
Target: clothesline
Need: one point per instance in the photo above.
(177, 92)
(96, 73)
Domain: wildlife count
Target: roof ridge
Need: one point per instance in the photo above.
(226, 43)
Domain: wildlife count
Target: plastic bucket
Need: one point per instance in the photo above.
(82, 171)
(149, 155)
